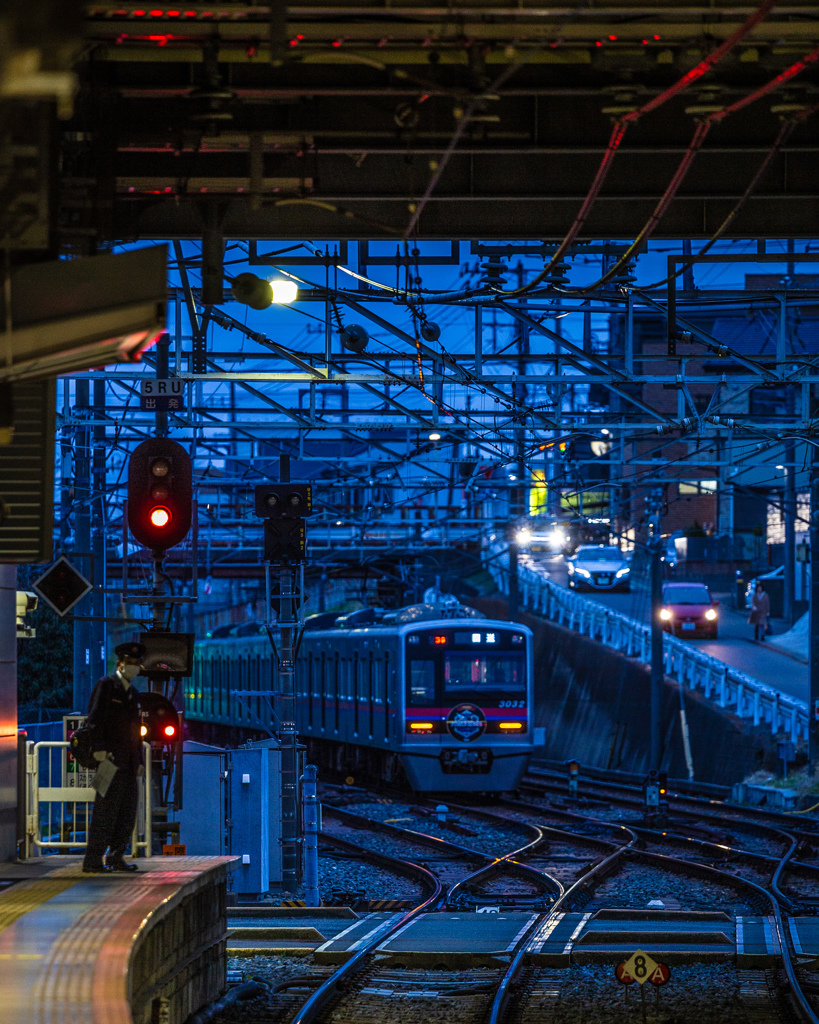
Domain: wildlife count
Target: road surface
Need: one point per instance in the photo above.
(735, 645)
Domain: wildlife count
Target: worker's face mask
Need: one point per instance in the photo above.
(131, 671)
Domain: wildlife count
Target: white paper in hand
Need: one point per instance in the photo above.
(103, 776)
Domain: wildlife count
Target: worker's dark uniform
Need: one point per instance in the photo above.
(113, 717)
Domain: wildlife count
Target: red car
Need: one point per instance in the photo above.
(689, 610)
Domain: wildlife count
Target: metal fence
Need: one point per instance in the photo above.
(59, 796)
(725, 687)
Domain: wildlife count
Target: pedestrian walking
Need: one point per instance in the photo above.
(114, 725)
(760, 611)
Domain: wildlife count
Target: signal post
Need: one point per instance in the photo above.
(283, 507)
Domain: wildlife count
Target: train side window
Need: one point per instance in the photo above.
(337, 685)
(421, 690)
(322, 696)
(307, 687)
(356, 688)
(371, 669)
(386, 690)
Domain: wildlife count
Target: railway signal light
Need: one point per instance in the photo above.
(283, 507)
(160, 719)
(160, 493)
(284, 501)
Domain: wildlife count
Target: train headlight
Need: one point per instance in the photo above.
(510, 726)
(710, 615)
(665, 614)
(421, 726)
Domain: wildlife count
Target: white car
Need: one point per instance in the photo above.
(599, 567)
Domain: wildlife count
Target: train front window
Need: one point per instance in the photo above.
(421, 682)
(469, 675)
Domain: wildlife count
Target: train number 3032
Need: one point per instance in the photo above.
(513, 703)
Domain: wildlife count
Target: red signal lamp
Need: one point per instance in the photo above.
(170, 731)
(160, 516)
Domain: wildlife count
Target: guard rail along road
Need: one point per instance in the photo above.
(722, 685)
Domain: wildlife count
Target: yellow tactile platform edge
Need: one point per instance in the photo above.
(24, 897)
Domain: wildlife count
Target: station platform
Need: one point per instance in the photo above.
(117, 947)
(473, 940)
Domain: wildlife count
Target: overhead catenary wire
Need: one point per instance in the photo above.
(619, 131)
(700, 133)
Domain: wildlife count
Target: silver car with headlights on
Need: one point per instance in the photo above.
(599, 567)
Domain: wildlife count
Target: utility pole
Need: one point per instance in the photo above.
(513, 572)
(286, 712)
(789, 515)
(83, 610)
(657, 665)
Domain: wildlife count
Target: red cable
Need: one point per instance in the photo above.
(704, 65)
(693, 148)
(619, 129)
(774, 83)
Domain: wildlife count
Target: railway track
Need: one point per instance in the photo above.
(581, 867)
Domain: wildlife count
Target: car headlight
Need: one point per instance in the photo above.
(558, 538)
(710, 615)
(665, 614)
(523, 537)
(622, 572)
(583, 572)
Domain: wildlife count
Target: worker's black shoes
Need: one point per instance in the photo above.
(96, 869)
(121, 865)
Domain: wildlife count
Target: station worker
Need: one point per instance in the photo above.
(114, 721)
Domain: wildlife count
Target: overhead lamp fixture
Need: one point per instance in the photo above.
(285, 291)
(780, 467)
(435, 436)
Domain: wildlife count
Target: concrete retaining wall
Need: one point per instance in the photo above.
(595, 706)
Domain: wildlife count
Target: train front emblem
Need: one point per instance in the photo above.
(466, 722)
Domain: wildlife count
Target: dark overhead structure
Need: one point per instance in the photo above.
(458, 121)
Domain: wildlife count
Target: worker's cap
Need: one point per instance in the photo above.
(132, 649)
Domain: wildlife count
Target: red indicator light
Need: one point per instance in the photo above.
(157, 14)
(440, 639)
(656, 37)
(613, 38)
(598, 43)
(160, 516)
(139, 14)
(170, 730)
(173, 14)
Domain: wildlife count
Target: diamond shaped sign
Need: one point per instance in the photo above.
(640, 967)
(61, 586)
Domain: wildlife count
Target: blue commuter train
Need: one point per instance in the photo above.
(444, 702)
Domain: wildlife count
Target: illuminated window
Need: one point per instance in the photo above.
(476, 638)
(491, 638)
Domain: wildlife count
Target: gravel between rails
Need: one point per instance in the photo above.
(345, 871)
(635, 885)
(486, 837)
(701, 993)
(447, 866)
